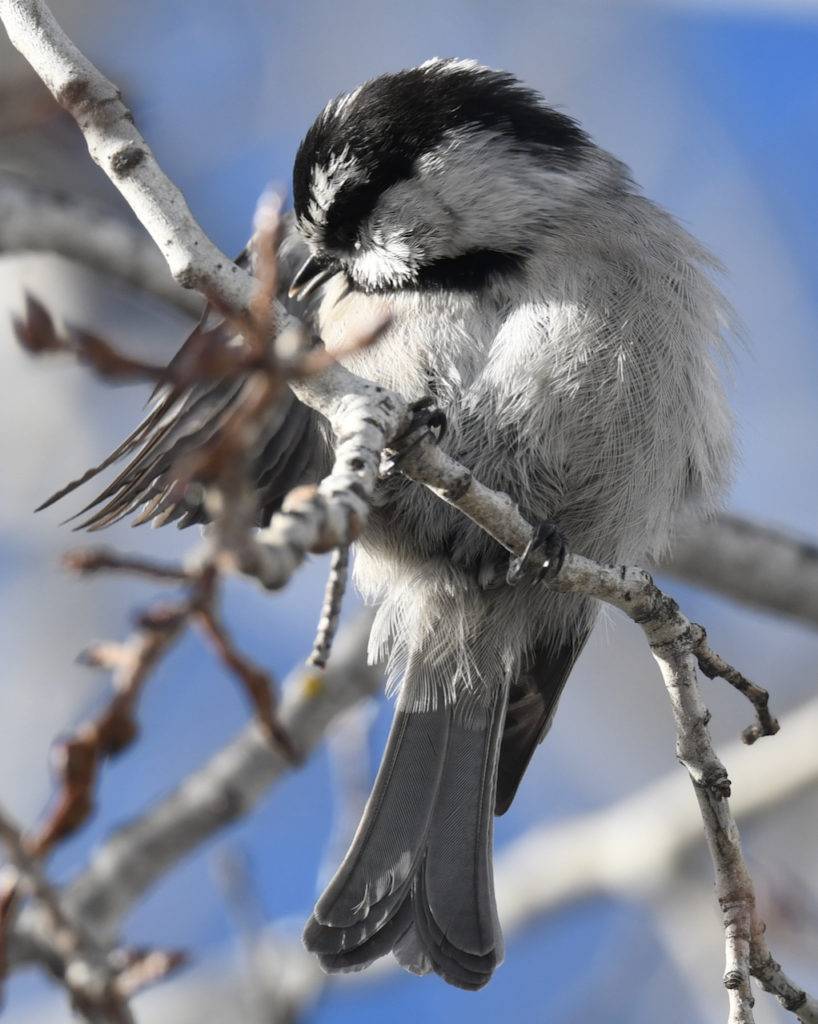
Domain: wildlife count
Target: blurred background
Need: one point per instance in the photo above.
(714, 105)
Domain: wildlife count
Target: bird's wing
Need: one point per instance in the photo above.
(531, 705)
(293, 450)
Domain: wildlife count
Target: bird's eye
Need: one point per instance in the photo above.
(357, 245)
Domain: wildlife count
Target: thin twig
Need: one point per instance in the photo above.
(715, 667)
(9, 905)
(145, 967)
(774, 980)
(257, 683)
(331, 608)
(77, 759)
(86, 561)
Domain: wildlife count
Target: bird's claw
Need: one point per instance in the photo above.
(426, 414)
(427, 420)
(548, 545)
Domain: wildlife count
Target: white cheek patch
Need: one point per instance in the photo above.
(388, 262)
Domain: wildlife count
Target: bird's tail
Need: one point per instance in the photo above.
(418, 877)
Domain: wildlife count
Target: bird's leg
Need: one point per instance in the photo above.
(427, 421)
(425, 413)
(548, 546)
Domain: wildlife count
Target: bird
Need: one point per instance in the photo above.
(574, 337)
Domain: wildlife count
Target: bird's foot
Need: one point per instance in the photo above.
(427, 420)
(548, 546)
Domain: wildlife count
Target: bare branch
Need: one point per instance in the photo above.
(257, 683)
(77, 759)
(628, 850)
(146, 967)
(331, 609)
(86, 561)
(35, 219)
(758, 565)
(120, 151)
(38, 335)
(715, 667)
(9, 905)
(133, 858)
(81, 963)
(773, 979)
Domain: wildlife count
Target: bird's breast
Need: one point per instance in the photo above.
(436, 342)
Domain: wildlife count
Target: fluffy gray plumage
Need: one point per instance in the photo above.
(570, 331)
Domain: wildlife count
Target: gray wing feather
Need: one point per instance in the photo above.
(531, 707)
(294, 448)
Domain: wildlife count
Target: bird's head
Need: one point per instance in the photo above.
(440, 176)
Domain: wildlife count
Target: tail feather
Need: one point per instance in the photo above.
(326, 940)
(410, 951)
(418, 877)
(376, 873)
(451, 963)
(454, 890)
(357, 957)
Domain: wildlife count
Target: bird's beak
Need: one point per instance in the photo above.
(312, 275)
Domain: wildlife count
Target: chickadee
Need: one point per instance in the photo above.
(569, 330)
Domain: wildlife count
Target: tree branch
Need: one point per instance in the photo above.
(630, 850)
(34, 219)
(79, 961)
(755, 564)
(135, 856)
(120, 151)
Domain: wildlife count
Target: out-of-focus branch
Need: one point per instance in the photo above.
(133, 858)
(755, 564)
(633, 847)
(278, 979)
(628, 850)
(35, 219)
(120, 151)
(75, 956)
(77, 759)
